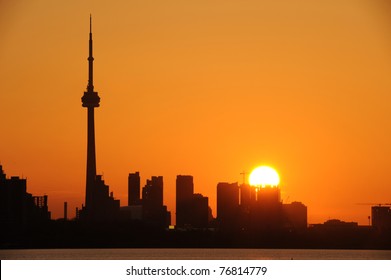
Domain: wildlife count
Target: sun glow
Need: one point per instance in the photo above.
(264, 176)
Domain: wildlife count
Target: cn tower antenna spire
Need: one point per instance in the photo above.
(90, 86)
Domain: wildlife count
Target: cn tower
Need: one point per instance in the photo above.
(90, 100)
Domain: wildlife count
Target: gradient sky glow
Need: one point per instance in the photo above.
(205, 88)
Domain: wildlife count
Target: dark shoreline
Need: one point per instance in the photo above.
(76, 234)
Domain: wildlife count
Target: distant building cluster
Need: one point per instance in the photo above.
(17, 206)
(381, 218)
(149, 208)
(249, 208)
(241, 207)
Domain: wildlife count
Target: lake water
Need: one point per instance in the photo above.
(193, 254)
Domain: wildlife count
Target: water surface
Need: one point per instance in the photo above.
(193, 254)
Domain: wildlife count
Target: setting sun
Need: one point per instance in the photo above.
(264, 176)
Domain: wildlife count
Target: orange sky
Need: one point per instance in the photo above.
(206, 88)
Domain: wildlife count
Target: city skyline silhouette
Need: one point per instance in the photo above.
(209, 104)
(247, 217)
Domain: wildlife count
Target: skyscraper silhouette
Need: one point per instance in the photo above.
(154, 212)
(90, 100)
(227, 204)
(184, 196)
(134, 189)
(17, 206)
(192, 210)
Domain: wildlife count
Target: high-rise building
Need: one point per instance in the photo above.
(192, 210)
(184, 196)
(266, 210)
(268, 196)
(200, 211)
(227, 204)
(153, 192)
(17, 206)
(107, 208)
(154, 212)
(247, 195)
(134, 189)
